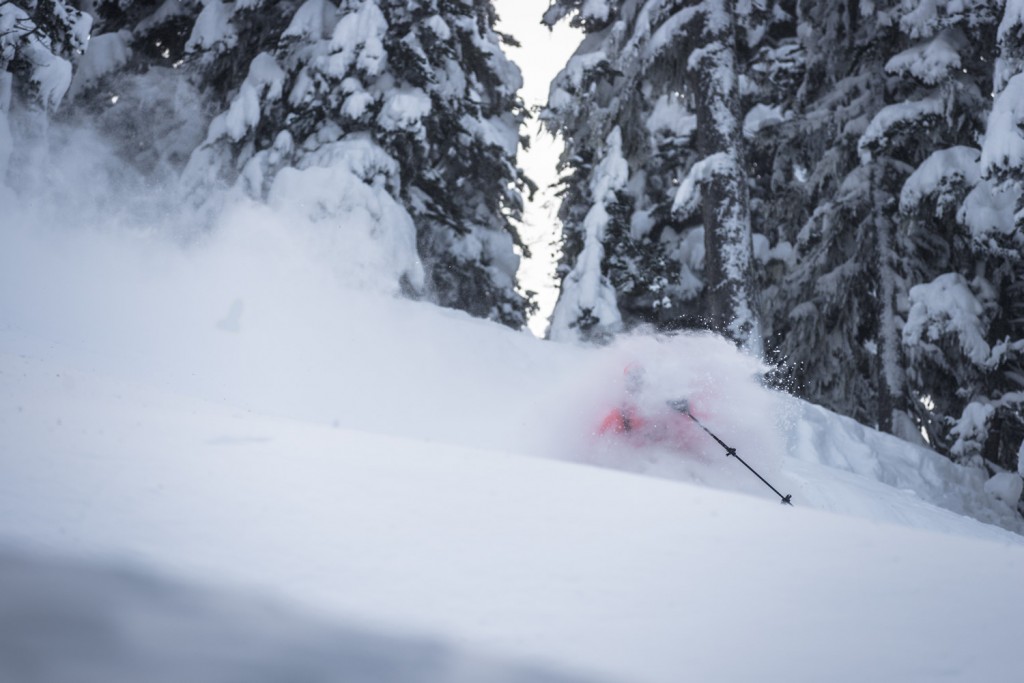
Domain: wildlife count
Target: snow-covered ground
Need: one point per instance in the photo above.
(191, 434)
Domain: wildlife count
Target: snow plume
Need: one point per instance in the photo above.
(275, 306)
(139, 265)
(223, 407)
(6, 139)
(107, 52)
(347, 196)
(342, 196)
(722, 386)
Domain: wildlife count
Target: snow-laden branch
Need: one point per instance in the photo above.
(894, 117)
(688, 197)
(943, 169)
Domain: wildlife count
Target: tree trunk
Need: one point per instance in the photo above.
(890, 381)
(711, 71)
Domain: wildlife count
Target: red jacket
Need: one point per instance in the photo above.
(669, 429)
(622, 420)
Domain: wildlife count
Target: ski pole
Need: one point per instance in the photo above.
(683, 406)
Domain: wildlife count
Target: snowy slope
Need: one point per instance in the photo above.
(65, 620)
(229, 414)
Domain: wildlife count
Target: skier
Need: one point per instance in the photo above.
(625, 418)
(644, 420)
(673, 425)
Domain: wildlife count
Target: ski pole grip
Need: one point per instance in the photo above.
(680, 404)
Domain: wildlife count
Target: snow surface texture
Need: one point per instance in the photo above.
(104, 624)
(234, 410)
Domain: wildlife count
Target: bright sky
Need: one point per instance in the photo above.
(542, 55)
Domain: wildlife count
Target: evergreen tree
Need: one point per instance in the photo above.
(675, 250)
(826, 319)
(775, 153)
(415, 100)
(941, 74)
(890, 312)
(948, 67)
(965, 333)
(1002, 246)
(606, 283)
(39, 41)
(587, 300)
(868, 115)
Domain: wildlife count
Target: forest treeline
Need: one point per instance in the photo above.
(835, 185)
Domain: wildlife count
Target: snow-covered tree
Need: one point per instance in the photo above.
(413, 104)
(827, 319)
(676, 250)
(602, 121)
(721, 175)
(879, 95)
(775, 157)
(853, 169)
(39, 40)
(965, 331)
(945, 72)
(587, 302)
(892, 307)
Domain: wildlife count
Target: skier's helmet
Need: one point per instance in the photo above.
(634, 378)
